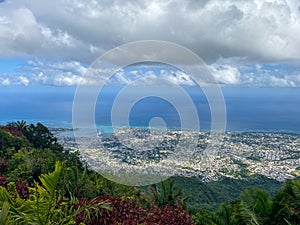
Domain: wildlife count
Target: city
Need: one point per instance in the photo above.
(274, 155)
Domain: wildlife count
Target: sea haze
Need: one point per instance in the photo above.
(248, 109)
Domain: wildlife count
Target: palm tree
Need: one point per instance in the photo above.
(21, 125)
(286, 206)
(223, 216)
(166, 193)
(253, 208)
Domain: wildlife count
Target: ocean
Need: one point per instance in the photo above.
(248, 108)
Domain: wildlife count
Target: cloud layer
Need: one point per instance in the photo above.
(73, 33)
(259, 30)
(225, 73)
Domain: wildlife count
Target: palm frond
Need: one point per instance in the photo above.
(4, 213)
(4, 195)
(50, 180)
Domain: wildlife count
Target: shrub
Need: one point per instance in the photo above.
(21, 187)
(127, 212)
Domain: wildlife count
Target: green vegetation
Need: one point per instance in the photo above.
(40, 183)
(210, 195)
(256, 207)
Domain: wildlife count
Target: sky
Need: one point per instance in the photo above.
(244, 43)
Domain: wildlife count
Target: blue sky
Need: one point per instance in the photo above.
(11, 65)
(244, 43)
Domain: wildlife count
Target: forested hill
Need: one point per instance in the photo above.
(43, 184)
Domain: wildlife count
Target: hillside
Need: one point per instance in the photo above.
(41, 183)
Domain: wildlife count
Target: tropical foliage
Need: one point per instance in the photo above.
(255, 207)
(40, 183)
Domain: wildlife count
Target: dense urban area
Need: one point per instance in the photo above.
(274, 155)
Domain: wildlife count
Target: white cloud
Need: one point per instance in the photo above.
(62, 37)
(225, 71)
(10, 79)
(24, 80)
(5, 82)
(258, 30)
(225, 74)
(295, 79)
(58, 37)
(268, 79)
(177, 77)
(19, 33)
